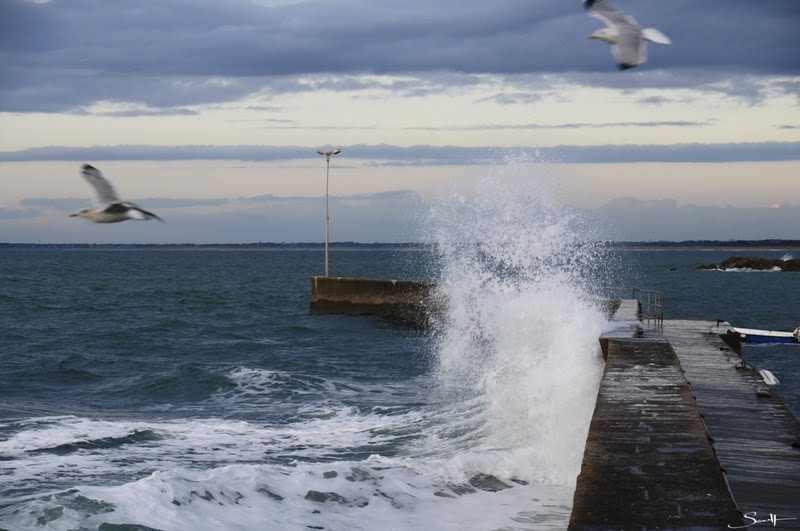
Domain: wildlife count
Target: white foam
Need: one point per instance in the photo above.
(255, 389)
(377, 494)
(521, 335)
(191, 443)
(517, 369)
(775, 269)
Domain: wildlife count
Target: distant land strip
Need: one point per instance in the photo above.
(686, 244)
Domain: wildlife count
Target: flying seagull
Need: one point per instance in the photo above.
(623, 33)
(111, 209)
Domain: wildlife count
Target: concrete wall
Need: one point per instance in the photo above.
(407, 301)
(411, 302)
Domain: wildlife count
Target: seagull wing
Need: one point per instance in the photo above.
(630, 49)
(117, 208)
(131, 210)
(105, 192)
(609, 14)
(653, 35)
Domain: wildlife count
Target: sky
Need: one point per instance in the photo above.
(209, 113)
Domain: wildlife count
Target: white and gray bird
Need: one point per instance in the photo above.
(110, 209)
(627, 38)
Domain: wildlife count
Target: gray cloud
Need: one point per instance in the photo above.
(47, 203)
(19, 213)
(516, 98)
(733, 152)
(391, 155)
(38, 204)
(575, 125)
(64, 56)
(663, 100)
(149, 112)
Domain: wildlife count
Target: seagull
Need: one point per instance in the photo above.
(623, 33)
(112, 210)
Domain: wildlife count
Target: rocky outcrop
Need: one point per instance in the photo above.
(711, 265)
(756, 263)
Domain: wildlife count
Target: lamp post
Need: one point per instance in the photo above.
(327, 155)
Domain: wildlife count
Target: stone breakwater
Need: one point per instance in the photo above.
(756, 263)
(414, 303)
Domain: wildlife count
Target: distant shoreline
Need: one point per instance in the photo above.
(755, 245)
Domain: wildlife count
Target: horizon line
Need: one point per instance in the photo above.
(610, 243)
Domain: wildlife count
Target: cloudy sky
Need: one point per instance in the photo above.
(209, 113)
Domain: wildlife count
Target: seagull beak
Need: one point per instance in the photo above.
(592, 36)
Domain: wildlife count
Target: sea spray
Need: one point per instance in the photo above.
(329, 422)
(517, 350)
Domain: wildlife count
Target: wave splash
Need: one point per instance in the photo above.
(518, 349)
(493, 438)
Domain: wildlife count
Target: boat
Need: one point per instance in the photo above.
(768, 377)
(753, 335)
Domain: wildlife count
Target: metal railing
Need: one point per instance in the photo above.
(651, 302)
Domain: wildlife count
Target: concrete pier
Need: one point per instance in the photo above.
(685, 436)
(405, 301)
(648, 462)
(755, 437)
(411, 302)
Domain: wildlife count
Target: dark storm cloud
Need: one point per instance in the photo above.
(64, 55)
(391, 155)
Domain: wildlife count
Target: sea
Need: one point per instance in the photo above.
(191, 389)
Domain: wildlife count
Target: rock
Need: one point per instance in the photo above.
(707, 266)
(755, 263)
(760, 264)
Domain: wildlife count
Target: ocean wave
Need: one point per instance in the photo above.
(518, 344)
(377, 493)
(103, 443)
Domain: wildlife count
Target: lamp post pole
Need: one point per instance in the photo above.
(327, 155)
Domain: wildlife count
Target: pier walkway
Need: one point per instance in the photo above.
(756, 438)
(685, 436)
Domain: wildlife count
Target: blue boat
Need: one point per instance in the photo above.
(752, 335)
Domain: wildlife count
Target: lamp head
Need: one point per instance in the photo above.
(328, 154)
